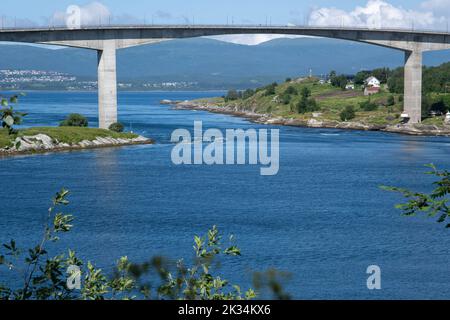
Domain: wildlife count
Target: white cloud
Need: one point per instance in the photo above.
(438, 7)
(379, 14)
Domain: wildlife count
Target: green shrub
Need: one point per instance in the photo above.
(307, 105)
(305, 92)
(290, 90)
(74, 120)
(391, 101)
(117, 127)
(348, 113)
(270, 89)
(248, 93)
(368, 106)
(286, 99)
(8, 116)
(232, 95)
(45, 276)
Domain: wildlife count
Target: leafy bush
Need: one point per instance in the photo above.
(339, 81)
(248, 93)
(390, 101)
(117, 127)
(270, 89)
(368, 106)
(233, 95)
(285, 98)
(348, 113)
(305, 92)
(307, 105)
(432, 204)
(8, 116)
(44, 277)
(74, 120)
(291, 90)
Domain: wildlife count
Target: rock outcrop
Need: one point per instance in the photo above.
(42, 143)
(316, 122)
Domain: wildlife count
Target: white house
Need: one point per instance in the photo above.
(372, 82)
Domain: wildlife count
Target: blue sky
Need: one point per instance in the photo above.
(203, 11)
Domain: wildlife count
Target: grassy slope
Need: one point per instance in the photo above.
(71, 135)
(331, 101)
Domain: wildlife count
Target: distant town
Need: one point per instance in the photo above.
(52, 80)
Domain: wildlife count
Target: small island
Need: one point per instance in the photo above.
(72, 134)
(51, 139)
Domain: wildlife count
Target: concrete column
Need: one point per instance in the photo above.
(413, 86)
(107, 84)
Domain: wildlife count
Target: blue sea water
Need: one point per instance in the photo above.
(323, 218)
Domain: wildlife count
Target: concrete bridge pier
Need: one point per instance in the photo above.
(413, 86)
(107, 84)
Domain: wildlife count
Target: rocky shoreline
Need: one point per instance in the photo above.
(42, 143)
(416, 129)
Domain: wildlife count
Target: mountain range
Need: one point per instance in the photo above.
(216, 64)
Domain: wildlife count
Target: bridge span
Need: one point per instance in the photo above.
(107, 40)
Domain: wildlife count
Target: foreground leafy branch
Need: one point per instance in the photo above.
(8, 116)
(49, 278)
(434, 204)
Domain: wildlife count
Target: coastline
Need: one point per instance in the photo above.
(268, 119)
(43, 144)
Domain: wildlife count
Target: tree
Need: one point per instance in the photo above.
(381, 74)
(339, 81)
(248, 93)
(361, 76)
(368, 105)
(291, 90)
(74, 120)
(396, 82)
(348, 113)
(305, 92)
(232, 95)
(117, 127)
(270, 89)
(434, 204)
(307, 105)
(8, 116)
(390, 101)
(286, 98)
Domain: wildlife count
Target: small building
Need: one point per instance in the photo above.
(322, 81)
(350, 86)
(447, 118)
(368, 91)
(372, 82)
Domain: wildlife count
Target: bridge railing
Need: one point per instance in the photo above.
(229, 26)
